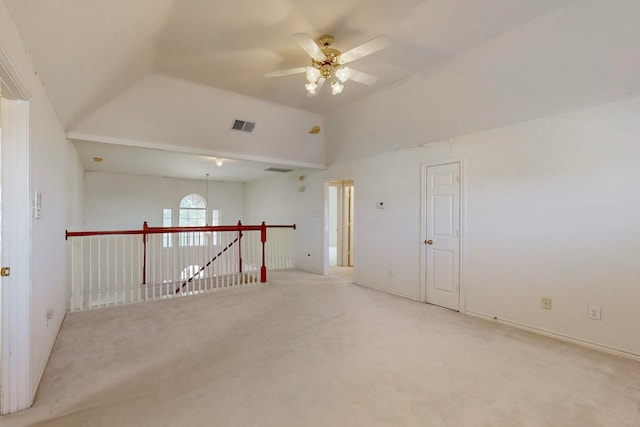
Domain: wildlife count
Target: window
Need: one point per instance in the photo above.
(193, 212)
(167, 238)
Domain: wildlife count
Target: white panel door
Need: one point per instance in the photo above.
(443, 235)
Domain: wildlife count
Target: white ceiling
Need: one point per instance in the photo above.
(89, 53)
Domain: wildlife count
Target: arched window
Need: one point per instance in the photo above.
(193, 212)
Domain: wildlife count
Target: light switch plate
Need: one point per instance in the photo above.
(595, 312)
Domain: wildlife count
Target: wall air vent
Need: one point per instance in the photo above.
(243, 126)
(278, 170)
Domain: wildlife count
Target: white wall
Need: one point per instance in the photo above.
(117, 202)
(55, 172)
(551, 210)
(278, 200)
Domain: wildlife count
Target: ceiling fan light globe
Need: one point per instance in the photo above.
(311, 87)
(336, 87)
(342, 74)
(313, 74)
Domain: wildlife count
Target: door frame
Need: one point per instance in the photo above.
(333, 210)
(423, 225)
(15, 384)
(346, 217)
(326, 231)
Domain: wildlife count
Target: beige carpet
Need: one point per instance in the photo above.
(307, 350)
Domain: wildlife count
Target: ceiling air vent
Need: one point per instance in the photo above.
(243, 126)
(278, 170)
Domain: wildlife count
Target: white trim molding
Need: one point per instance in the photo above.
(12, 82)
(16, 254)
(15, 357)
(561, 337)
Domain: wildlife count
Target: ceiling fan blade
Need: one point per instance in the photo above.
(285, 72)
(306, 42)
(360, 77)
(365, 49)
(321, 81)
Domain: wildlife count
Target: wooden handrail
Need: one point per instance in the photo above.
(160, 230)
(146, 230)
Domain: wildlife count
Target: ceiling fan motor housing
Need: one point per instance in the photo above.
(332, 56)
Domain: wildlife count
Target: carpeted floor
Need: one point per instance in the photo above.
(307, 350)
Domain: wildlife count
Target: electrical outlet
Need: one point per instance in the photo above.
(594, 312)
(545, 303)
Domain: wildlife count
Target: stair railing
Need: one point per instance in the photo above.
(128, 266)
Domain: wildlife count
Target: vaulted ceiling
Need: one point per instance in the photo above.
(97, 58)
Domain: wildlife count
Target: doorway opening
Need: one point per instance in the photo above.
(341, 226)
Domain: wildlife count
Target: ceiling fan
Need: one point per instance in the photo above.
(328, 63)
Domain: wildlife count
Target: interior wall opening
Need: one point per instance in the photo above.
(341, 225)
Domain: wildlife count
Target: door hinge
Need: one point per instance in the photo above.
(5, 271)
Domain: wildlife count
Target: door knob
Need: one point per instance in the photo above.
(429, 242)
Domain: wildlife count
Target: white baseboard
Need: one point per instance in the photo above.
(561, 337)
(388, 291)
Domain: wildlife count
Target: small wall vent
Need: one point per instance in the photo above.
(278, 170)
(243, 126)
